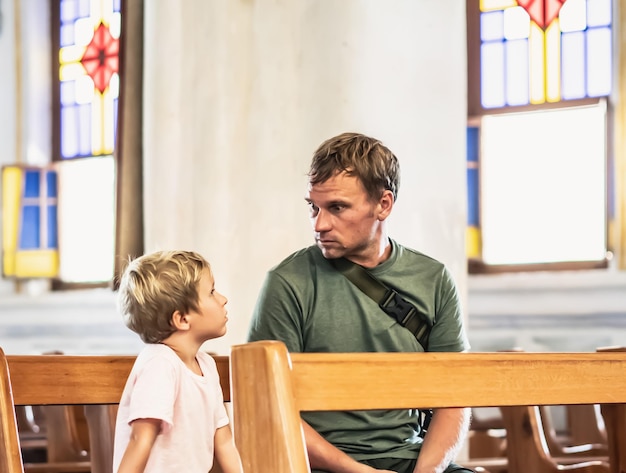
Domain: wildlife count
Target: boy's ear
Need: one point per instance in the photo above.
(180, 321)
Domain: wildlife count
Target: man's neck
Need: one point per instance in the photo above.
(380, 253)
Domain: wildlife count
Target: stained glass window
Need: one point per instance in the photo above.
(528, 60)
(89, 48)
(539, 51)
(30, 242)
(89, 75)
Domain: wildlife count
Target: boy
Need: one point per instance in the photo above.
(171, 416)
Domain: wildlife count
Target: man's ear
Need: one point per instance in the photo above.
(180, 321)
(385, 202)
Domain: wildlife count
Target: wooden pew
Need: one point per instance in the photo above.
(615, 422)
(271, 387)
(66, 380)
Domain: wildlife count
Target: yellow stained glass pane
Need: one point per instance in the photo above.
(553, 62)
(71, 54)
(488, 5)
(536, 49)
(473, 242)
(11, 192)
(37, 264)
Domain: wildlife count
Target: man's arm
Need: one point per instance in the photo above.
(444, 438)
(325, 456)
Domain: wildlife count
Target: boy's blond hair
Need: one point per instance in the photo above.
(154, 286)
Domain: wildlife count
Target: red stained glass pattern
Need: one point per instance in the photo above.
(542, 12)
(101, 57)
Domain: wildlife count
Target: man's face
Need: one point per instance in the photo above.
(346, 222)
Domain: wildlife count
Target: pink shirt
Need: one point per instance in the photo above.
(190, 408)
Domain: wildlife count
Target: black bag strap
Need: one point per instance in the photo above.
(387, 298)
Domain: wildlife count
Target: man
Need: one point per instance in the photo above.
(311, 306)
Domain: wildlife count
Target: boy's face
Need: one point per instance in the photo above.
(211, 314)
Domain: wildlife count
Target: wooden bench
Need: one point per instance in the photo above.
(271, 387)
(68, 380)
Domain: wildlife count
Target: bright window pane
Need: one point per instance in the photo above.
(86, 219)
(543, 186)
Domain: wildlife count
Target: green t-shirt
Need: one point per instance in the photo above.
(310, 306)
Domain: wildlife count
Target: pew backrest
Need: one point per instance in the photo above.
(271, 387)
(63, 380)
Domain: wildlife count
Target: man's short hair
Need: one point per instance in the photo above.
(357, 155)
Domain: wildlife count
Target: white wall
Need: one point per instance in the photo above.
(25, 88)
(239, 94)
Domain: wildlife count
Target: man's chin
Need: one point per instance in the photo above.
(330, 252)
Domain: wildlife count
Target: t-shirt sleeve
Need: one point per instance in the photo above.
(277, 314)
(448, 332)
(154, 392)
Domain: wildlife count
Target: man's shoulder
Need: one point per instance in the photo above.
(414, 256)
(298, 261)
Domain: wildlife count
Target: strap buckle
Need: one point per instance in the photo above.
(406, 315)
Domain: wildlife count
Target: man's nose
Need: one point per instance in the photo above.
(321, 223)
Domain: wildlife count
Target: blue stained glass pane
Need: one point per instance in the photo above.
(29, 235)
(472, 176)
(492, 26)
(599, 53)
(68, 92)
(68, 10)
(573, 65)
(31, 184)
(84, 132)
(69, 138)
(53, 241)
(598, 12)
(67, 35)
(517, 75)
(492, 74)
(51, 183)
(472, 144)
(472, 197)
(117, 5)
